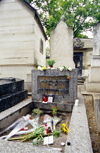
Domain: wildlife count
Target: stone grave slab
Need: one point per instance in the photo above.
(11, 92)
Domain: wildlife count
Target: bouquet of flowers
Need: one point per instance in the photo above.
(54, 110)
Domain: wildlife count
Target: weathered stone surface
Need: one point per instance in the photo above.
(96, 46)
(65, 107)
(52, 86)
(93, 80)
(78, 135)
(11, 92)
(78, 43)
(12, 147)
(10, 85)
(97, 112)
(20, 35)
(10, 115)
(61, 45)
(12, 99)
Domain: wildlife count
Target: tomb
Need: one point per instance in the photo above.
(11, 92)
(55, 85)
(92, 83)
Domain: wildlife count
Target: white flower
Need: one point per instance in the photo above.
(40, 68)
(70, 69)
(61, 68)
(49, 67)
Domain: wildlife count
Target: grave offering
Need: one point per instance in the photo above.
(11, 92)
(39, 128)
(54, 87)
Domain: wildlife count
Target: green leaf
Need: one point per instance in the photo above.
(56, 133)
(76, 12)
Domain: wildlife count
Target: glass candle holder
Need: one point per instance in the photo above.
(45, 99)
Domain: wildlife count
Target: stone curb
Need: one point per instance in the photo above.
(78, 139)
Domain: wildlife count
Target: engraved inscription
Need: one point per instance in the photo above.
(52, 85)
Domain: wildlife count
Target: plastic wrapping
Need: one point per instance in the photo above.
(48, 121)
(21, 124)
(35, 121)
(18, 133)
(56, 120)
(12, 125)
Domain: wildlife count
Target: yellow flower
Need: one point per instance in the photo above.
(66, 130)
(44, 68)
(64, 125)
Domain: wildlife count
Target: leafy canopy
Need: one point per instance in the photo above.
(79, 14)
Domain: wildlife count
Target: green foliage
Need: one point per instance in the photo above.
(54, 110)
(29, 1)
(36, 133)
(50, 62)
(81, 36)
(56, 133)
(38, 139)
(76, 13)
(37, 111)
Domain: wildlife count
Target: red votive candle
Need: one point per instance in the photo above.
(45, 99)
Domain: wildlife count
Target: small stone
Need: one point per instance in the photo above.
(62, 144)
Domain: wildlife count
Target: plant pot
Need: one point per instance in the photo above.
(51, 66)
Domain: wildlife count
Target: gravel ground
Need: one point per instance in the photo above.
(95, 137)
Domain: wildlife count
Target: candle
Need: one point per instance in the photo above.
(45, 99)
(76, 102)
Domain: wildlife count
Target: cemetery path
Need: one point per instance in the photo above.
(95, 137)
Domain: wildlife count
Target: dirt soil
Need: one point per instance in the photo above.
(95, 136)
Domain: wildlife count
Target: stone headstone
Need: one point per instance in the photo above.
(93, 81)
(54, 83)
(97, 112)
(96, 46)
(61, 45)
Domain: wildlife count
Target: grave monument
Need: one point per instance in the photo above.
(61, 45)
(55, 84)
(92, 82)
(11, 92)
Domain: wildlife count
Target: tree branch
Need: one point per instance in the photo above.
(75, 32)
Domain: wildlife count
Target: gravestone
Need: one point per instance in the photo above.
(97, 112)
(61, 45)
(92, 83)
(11, 92)
(54, 83)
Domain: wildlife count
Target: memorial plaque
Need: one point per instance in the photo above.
(52, 85)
